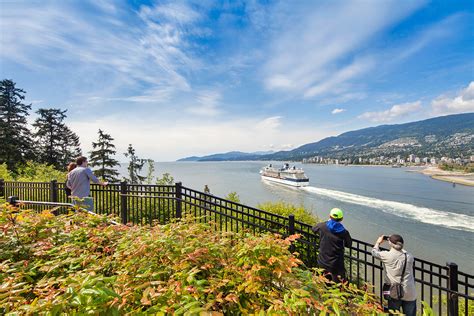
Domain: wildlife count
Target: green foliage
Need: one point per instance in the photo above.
(233, 196)
(461, 304)
(101, 159)
(166, 179)
(38, 172)
(33, 172)
(150, 175)
(78, 264)
(134, 166)
(5, 174)
(469, 168)
(427, 311)
(15, 137)
(285, 209)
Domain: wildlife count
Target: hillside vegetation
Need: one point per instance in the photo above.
(451, 135)
(78, 264)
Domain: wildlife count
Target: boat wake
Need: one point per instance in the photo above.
(422, 214)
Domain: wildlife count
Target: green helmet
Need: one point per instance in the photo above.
(336, 213)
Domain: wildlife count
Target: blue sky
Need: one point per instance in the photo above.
(185, 78)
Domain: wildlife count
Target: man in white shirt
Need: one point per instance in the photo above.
(395, 261)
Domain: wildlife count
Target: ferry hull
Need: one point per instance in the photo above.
(287, 182)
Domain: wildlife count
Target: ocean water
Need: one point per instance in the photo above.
(435, 218)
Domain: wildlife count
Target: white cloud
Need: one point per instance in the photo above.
(105, 5)
(343, 98)
(157, 95)
(337, 79)
(463, 102)
(395, 112)
(318, 49)
(269, 124)
(337, 111)
(436, 33)
(174, 12)
(207, 104)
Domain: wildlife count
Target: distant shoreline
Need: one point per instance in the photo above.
(448, 176)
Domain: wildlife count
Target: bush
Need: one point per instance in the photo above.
(38, 172)
(78, 264)
(233, 197)
(468, 168)
(5, 174)
(285, 209)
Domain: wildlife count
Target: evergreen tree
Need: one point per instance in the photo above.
(134, 167)
(151, 171)
(70, 146)
(15, 137)
(101, 158)
(58, 145)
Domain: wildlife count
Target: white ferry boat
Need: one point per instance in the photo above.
(285, 175)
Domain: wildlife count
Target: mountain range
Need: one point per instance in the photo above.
(232, 155)
(451, 135)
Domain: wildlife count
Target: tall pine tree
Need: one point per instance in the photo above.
(58, 145)
(15, 137)
(70, 146)
(134, 166)
(101, 158)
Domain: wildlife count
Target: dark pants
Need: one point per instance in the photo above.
(334, 274)
(409, 307)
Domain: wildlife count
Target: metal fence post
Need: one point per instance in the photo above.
(178, 187)
(123, 202)
(12, 200)
(453, 304)
(54, 190)
(2, 187)
(291, 229)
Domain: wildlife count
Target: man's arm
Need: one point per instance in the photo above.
(316, 228)
(376, 249)
(91, 176)
(347, 240)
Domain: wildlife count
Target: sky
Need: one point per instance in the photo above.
(184, 78)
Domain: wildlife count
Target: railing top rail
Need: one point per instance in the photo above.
(150, 185)
(44, 203)
(23, 182)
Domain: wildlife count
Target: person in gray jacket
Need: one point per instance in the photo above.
(78, 180)
(395, 261)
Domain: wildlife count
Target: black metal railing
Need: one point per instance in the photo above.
(444, 288)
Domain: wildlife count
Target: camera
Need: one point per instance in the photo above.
(386, 237)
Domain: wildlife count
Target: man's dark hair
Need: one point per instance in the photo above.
(80, 160)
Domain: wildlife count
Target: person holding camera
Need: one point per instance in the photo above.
(399, 280)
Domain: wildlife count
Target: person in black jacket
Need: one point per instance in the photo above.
(333, 237)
